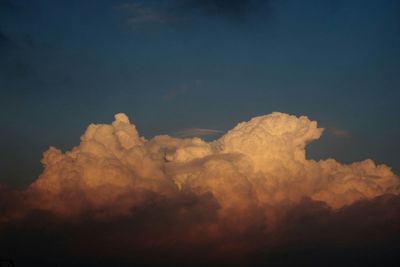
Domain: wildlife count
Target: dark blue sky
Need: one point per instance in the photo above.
(173, 65)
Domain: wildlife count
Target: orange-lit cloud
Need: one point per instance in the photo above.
(259, 162)
(233, 196)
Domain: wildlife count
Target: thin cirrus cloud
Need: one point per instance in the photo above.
(141, 13)
(196, 132)
(340, 133)
(250, 197)
(156, 12)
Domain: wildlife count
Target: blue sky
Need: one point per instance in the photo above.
(179, 64)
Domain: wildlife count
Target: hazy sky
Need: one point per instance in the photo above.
(208, 64)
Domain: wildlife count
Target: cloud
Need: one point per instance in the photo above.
(141, 12)
(182, 89)
(340, 133)
(196, 132)
(174, 93)
(244, 198)
(229, 9)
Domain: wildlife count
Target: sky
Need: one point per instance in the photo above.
(183, 64)
(200, 132)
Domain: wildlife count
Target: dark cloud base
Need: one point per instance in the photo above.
(168, 232)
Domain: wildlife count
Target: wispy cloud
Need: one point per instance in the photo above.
(197, 132)
(141, 13)
(183, 88)
(173, 93)
(340, 133)
(229, 9)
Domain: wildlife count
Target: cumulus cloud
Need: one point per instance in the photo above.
(265, 156)
(233, 198)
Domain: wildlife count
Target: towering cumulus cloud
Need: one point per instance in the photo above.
(232, 199)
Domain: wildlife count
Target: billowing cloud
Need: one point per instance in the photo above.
(235, 199)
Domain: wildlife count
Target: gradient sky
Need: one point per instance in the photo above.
(179, 64)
